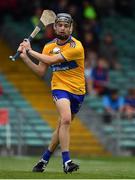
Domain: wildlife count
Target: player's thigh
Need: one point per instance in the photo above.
(63, 107)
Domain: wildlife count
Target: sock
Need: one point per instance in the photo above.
(47, 154)
(65, 156)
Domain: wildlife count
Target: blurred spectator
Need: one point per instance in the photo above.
(73, 9)
(95, 28)
(129, 107)
(90, 62)
(99, 77)
(90, 25)
(59, 6)
(90, 43)
(105, 7)
(39, 39)
(89, 11)
(92, 56)
(113, 104)
(87, 75)
(109, 50)
(91, 31)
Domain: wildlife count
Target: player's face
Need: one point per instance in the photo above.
(62, 30)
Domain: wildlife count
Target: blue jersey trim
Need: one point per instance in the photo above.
(64, 66)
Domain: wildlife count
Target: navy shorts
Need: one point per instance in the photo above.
(75, 100)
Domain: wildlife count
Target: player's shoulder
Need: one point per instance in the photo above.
(48, 46)
(75, 42)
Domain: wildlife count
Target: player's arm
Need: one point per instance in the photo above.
(67, 55)
(39, 69)
(49, 60)
(46, 59)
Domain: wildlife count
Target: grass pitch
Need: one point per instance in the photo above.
(90, 168)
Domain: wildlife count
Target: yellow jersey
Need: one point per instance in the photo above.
(69, 74)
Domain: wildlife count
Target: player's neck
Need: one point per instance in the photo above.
(62, 42)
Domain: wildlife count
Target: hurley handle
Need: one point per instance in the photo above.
(17, 55)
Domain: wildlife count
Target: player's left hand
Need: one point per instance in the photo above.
(22, 50)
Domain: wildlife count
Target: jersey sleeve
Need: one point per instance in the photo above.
(73, 53)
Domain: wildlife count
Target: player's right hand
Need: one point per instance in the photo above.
(22, 50)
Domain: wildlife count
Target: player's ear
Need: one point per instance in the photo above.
(71, 28)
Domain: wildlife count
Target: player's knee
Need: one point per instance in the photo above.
(66, 120)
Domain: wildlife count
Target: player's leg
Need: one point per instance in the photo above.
(63, 106)
(55, 139)
(61, 133)
(41, 165)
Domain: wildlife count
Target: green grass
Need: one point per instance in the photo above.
(94, 168)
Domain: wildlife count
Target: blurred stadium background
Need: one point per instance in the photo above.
(27, 113)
